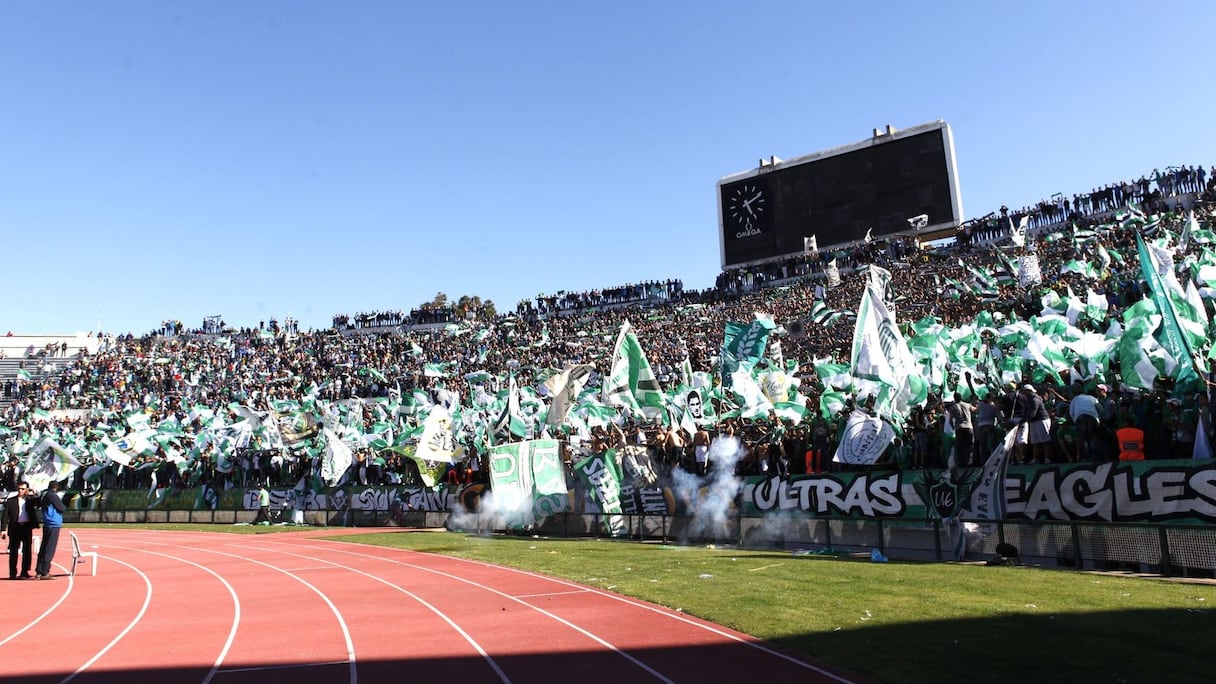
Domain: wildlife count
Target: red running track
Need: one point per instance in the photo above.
(171, 606)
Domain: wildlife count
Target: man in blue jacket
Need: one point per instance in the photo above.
(52, 520)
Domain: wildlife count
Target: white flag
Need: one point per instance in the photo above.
(833, 274)
(1018, 235)
(810, 245)
(865, 438)
(565, 387)
(337, 458)
(437, 443)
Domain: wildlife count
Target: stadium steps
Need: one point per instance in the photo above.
(39, 369)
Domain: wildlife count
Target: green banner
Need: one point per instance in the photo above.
(528, 481)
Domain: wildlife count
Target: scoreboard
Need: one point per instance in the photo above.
(838, 195)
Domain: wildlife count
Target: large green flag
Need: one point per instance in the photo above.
(601, 476)
(528, 481)
(743, 345)
(1172, 337)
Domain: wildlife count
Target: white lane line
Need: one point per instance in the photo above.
(665, 612)
(67, 590)
(350, 646)
(134, 621)
(622, 599)
(289, 666)
(443, 616)
(552, 593)
(236, 605)
(599, 640)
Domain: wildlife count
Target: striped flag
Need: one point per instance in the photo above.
(823, 315)
(1172, 338)
(510, 420)
(630, 382)
(1081, 236)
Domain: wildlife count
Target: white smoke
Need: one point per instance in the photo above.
(710, 500)
(491, 514)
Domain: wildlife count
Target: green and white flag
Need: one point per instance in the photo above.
(1173, 339)
(1096, 306)
(833, 374)
(823, 315)
(48, 462)
(510, 419)
(130, 446)
(478, 378)
(24, 375)
(880, 358)
(435, 370)
(743, 346)
(831, 403)
(528, 481)
(601, 477)
(631, 383)
(1083, 268)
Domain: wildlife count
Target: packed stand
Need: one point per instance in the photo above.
(189, 380)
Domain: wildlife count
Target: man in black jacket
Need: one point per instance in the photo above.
(17, 522)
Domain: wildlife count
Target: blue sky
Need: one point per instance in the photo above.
(257, 159)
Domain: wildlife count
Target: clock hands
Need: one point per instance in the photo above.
(747, 204)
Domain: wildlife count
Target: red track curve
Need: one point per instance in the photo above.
(204, 607)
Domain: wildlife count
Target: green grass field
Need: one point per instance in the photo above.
(888, 622)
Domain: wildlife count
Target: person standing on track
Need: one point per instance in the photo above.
(52, 519)
(17, 522)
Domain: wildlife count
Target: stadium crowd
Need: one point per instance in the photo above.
(185, 377)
